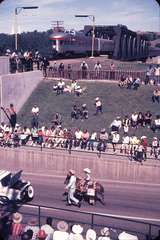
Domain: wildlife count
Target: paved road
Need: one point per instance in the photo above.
(133, 201)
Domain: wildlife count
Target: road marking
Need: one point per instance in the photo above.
(102, 214)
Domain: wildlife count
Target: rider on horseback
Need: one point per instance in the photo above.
(87, 172)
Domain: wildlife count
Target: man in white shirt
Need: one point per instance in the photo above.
(35, 114)
(98, 105)
(48, 228)
(71, 187)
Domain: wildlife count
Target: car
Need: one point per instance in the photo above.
(14, 189)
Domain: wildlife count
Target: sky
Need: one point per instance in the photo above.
(137, 15)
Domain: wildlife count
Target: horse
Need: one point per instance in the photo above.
(90, 192)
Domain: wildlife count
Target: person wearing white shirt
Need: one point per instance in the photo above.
(71, 187)
(48, 228)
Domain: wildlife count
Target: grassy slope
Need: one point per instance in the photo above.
(116, 101)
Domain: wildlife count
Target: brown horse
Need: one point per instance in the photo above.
(82, 192)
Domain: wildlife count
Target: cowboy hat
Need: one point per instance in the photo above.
(72, 171)
(87, 170)
(62, 226)
(77, 229)
(97, 98)
(90, 234)
(17, 217)
(41, 234)
(105, 231)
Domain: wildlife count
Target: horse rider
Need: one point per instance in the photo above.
(71, 187)
(87, 177)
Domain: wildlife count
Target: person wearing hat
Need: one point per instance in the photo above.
(76, 233)
(71, 187)
(87, 177)
(98, 105)
(61, 232)
(41, 235)
(104, 234)
(33, 225)
(48, 228)
(84, 68)
(17, 226)
(91, 234)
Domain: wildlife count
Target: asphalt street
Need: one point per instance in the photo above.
(138, 202)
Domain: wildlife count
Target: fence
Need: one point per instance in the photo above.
(92, 75)
(142, 229)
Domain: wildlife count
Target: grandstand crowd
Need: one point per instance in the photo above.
(16, 228)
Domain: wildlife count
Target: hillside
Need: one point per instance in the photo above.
(116, 102)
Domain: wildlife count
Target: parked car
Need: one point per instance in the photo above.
(14, 189)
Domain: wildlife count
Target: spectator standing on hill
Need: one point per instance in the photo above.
(44, 65)
(35, 116)
(69, 70)
(12, 115)
(84, 69)
(98, 105)
(97, 69)
(155, 95)
(61, 69)
(112, 71)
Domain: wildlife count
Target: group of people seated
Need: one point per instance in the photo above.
(61, 88)
(56, 136)
(129, 82)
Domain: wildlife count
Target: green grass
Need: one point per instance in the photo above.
(116, 101)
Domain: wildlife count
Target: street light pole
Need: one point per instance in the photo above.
(17, 11)
(93, 31)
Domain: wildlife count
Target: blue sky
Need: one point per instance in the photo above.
(143, 15)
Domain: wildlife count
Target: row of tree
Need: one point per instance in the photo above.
(27, 41)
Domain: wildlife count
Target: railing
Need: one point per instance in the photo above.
(93, 75)
(142, 229)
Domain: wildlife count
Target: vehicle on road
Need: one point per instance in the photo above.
(14, 189)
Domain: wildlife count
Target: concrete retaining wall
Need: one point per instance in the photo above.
(16, 88)
(4, 65)
(58, 162)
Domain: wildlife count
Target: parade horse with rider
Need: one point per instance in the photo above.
(87, 189)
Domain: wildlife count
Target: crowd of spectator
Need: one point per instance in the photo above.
(17, 228)
(118, 138)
